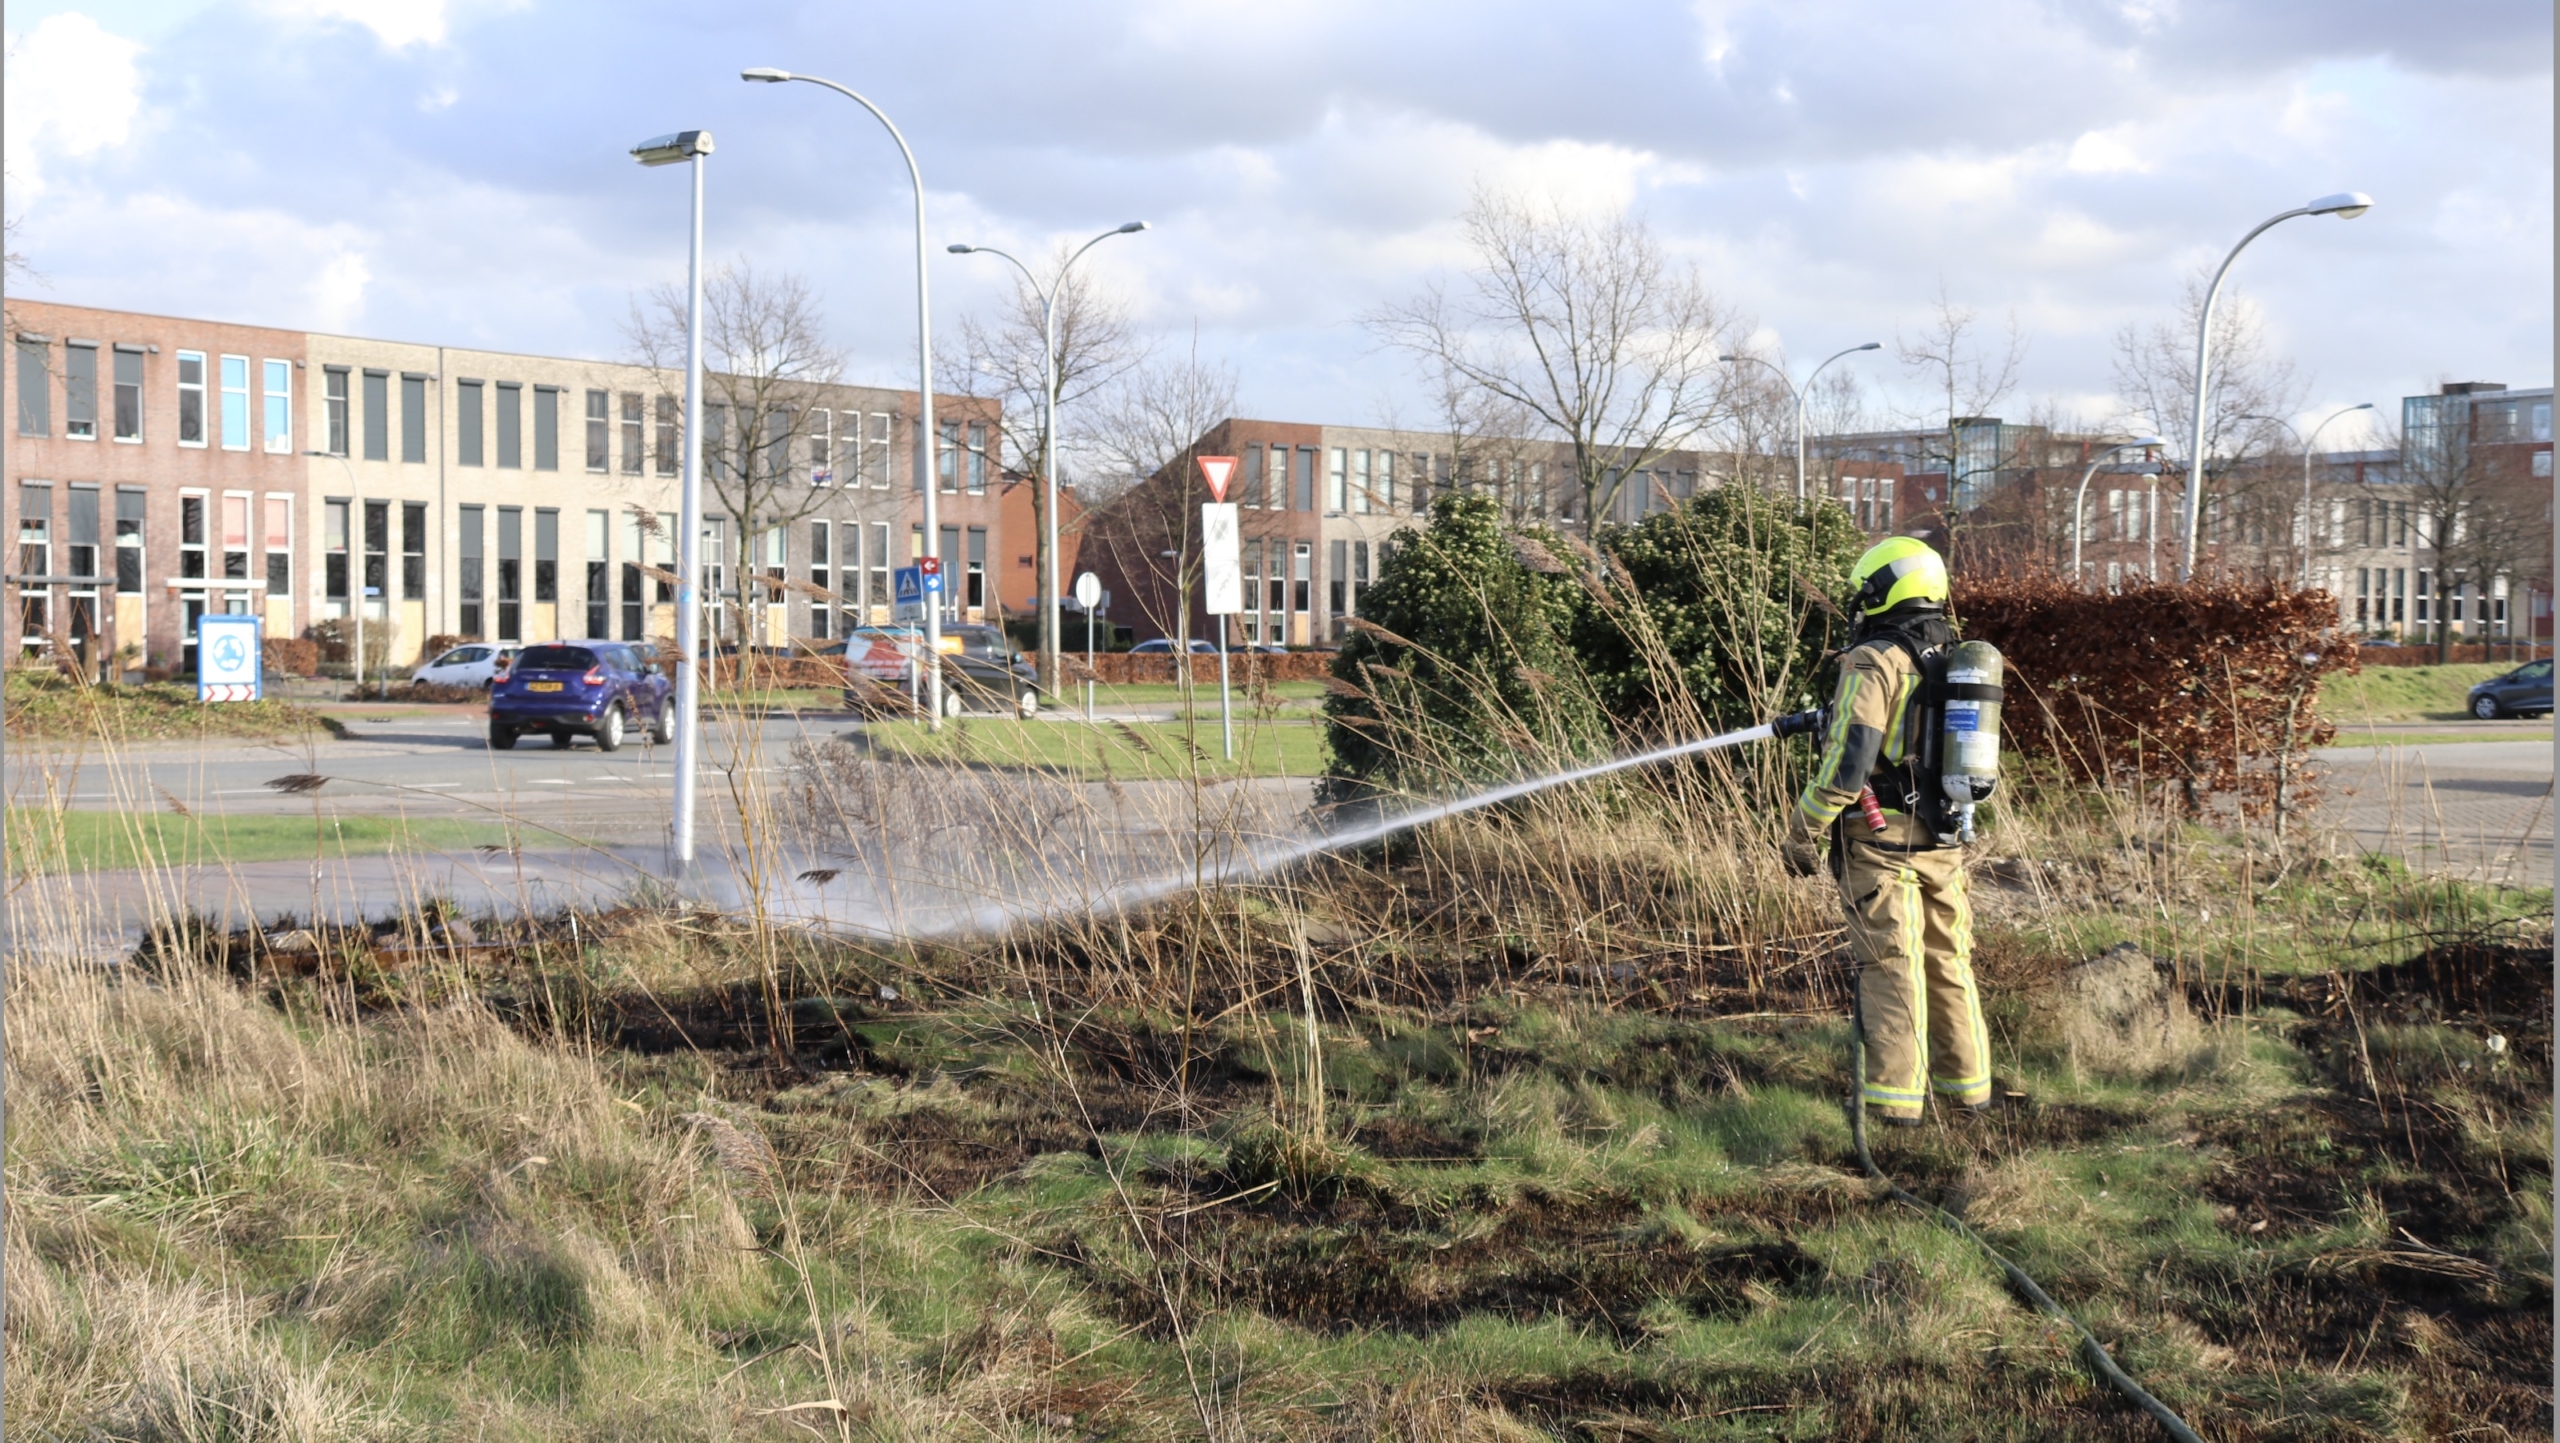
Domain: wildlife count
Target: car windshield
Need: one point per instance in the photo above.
(555, 658)
(457, 658)
(2533, 671)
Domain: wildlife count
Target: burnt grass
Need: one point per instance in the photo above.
(1354, 1239)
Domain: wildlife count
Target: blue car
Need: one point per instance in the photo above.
(2525, 691)
(600, 688)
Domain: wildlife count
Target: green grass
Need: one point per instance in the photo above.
(83, 841)
(43, 705)
(1110, 751)
(2403, 693)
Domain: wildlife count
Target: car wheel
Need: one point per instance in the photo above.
(663, 730)
(609, 729)
(951, 705)
(1027, 704)
(501, 738)
(2486, 708)
(562, 741)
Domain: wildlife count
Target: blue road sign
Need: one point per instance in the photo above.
(228, 656)
(909, 588)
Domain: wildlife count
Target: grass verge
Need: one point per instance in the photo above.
(44, 705)
(88, 841)
(1110, 751)
(2404, 693)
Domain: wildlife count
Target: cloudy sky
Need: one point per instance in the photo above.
(455, 170)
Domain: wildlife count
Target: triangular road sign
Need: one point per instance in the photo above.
(1218, 471)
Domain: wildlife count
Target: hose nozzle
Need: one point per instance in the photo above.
(1797, 724)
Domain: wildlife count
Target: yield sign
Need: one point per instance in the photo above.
(1218, 471)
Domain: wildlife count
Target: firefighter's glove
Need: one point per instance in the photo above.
(1801, 851)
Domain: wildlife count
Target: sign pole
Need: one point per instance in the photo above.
(1088, 596)
(1221, 575)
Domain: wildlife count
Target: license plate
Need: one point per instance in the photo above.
(542, 686)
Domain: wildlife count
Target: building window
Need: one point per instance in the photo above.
(130, 501)
(235, 535)
(850, 576)
(80, 391)
(821, 566)
(128, 397)
(333, 395)
(1306, 478)
(191, 398)
(670, 460)
(599, 431)
(511, 428)
(1334, 468)
(377, 550)
(977, 458)
(2542, 463)
(468, 429)
(1384, 482)
(634, 436)
(1252, 482)
(879, 564)
(634, 601)
(875, 456)
(413, 551)
(279, 547)
(546, 556)
(600, 570)
(377, 415)
(468, 550)
(1302, 565)
(510, 573)
(191, 527)
(35, 558)
(947, 455)
(80, 532)
(1337, 572)
(821, 461)
(35, 386)
(279, 408)
(546, 428)
(975, 597)
(413, 419)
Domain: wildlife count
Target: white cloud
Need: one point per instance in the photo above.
(73, 91)
(2103, 152)
(398, 24)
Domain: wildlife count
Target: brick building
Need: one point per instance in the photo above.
(455, 492)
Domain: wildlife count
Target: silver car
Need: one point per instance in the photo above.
(476, 664)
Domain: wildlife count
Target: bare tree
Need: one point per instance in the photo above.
(1001, 357)
(1145, 433)
(2155, 372)
(1583, 325)
(1968, 375)
(766, 363)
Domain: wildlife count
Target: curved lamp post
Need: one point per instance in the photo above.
(928, 479)
(2080, 499)
(2306, 469)
(2346, 205)
(687, 147)
(1798, 396)
(1051, 665)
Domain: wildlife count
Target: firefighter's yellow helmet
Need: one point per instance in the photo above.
(1901, 569)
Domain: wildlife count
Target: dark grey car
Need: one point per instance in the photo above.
(2525, 691)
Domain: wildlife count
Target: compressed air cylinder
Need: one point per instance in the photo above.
(1969, 750)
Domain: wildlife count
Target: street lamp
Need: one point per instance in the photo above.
(2306, 470)
(2080, 499)
(2346, 205)
(928, 479)
(1798, 396)
(693, 146)
(356, 563)
(1052, 665)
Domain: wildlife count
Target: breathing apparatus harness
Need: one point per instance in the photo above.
(1951, 764)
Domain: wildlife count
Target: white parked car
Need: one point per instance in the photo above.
(477, 664)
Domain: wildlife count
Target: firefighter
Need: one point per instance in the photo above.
(1902, 887)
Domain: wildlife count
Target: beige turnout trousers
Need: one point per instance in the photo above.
(1911, 927)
